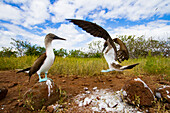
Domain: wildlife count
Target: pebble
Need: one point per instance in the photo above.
(50, 108)
(94, 89)
(87, 92)
(63, 81)
(85, 89)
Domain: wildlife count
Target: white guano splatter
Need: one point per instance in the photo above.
(138, 79)
(48, 82)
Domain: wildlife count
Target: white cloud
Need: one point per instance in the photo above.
(5, 38)
(13, 31)
(132, 9)
(16, 1)
(108, 9)
(156, 29)
(9, 13)
(62, 9)
(35, 12)
(30, 13)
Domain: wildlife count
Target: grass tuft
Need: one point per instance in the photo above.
(157, 65)
(91, 66)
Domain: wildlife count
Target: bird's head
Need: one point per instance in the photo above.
(50, 37)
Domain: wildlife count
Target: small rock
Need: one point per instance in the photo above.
(111, 85)
(85, 89)
(109, 79)
(3, 92)
(72, 79)
(164, 82)
(97, 90)
(63, 81)
(60, 76)
(85, 84)
(87, 101)
(75, 77)
(94, 89)
(41, 94)
(114, 105)
(87, 92)
(98, 98)
(163, 92)
(138, 93)
(50, 108)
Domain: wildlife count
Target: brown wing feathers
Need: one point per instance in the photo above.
(91, 28)
(123, 53)
(37, 64)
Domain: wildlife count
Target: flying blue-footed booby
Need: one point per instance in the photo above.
(110, 51)
(45, 61)
(109, 55)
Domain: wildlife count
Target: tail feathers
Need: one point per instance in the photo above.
(24, 70)
(128, 67)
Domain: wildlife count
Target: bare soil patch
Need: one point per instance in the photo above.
(18, 84)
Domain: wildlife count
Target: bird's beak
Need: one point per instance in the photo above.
(56, 37)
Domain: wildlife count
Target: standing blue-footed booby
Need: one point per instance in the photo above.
(110, 51)
(45, 61)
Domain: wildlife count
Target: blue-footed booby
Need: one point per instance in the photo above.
(45, 61)
(111, 54)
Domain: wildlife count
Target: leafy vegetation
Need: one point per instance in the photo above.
(137, 46)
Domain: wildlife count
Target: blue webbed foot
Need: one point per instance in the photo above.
(45, 79)
(108, 70)
(42, 80)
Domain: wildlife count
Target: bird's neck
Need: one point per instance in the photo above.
(49, 49)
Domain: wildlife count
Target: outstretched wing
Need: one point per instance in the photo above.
(95, 30)
(91, 28)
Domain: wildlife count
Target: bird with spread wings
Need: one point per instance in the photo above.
(111, 54)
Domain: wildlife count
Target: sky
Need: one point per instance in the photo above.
(31, 20)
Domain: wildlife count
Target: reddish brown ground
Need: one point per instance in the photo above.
(18, 84)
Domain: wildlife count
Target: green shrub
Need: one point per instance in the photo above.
(157, 65)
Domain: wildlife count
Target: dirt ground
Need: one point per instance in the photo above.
(18, 84)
